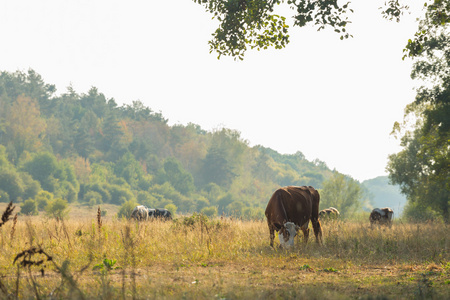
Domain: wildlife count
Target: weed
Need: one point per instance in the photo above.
(306, 267)
(106, 266)
(99, 219)
(13, 229)
(330, 270)
(7, 213)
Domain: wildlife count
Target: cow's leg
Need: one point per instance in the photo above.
(317, 231)
(272, 234)
(305, 230)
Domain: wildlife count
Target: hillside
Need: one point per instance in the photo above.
(384, 194)
(85, 148)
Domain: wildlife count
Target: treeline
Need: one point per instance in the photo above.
(85, 148)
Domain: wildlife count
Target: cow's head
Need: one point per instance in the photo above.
(375, 216)
(287, 234)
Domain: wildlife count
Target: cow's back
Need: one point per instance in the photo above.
(289, 204)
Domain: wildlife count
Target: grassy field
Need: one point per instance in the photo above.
(86, 257)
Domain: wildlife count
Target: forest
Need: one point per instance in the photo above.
(85, 149)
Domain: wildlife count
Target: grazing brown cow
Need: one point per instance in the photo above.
(381, 216)
(291, 208)
(140, 213)
(329, 213)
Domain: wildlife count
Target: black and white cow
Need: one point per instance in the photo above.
(163, 214)
(140, 213)
(381, 216)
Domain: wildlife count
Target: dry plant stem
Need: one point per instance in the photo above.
(99, 220)
(66, 233)
(13, 229)
(7, 213)
(125, 241)
(3, 289)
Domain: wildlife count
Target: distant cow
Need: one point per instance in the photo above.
(290, 209)
(329, 213)
(140, 213)
(163, 214)
(381, 216)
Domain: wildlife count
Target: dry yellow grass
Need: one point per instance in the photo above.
(221, 259)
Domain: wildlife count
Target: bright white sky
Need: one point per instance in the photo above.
(330, 99)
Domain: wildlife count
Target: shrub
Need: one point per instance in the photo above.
(172, 208)
(126, 209)
(415, 212)
(92, 198)
(42, 199)
(210, 211)
(119, 194)
(57, 208)
(29, 208)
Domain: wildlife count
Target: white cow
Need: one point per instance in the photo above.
(140, 213)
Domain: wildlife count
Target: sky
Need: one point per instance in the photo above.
(332, 100)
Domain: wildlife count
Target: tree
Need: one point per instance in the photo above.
(422, 167)
(11, 183)
(342, 193)
(436, 18)
(41, 167)
(216, 168)
(253, 23)
(56, 177)
(26, 125)
(86, 134)
(180, 179)
(225, 158)
(31, 186)
(129, 169)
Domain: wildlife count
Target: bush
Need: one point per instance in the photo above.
(102, 189)
(210, 211)
(119, 194)
(92, 198)
(57, 208)
(31, 186)
(42, 199)
(415, 212)
(11, 183)
(29, 208)
(172, 208)
(126, 209)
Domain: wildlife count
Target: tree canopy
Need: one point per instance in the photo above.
(422, 167)
(254, 24)
(85, 148)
